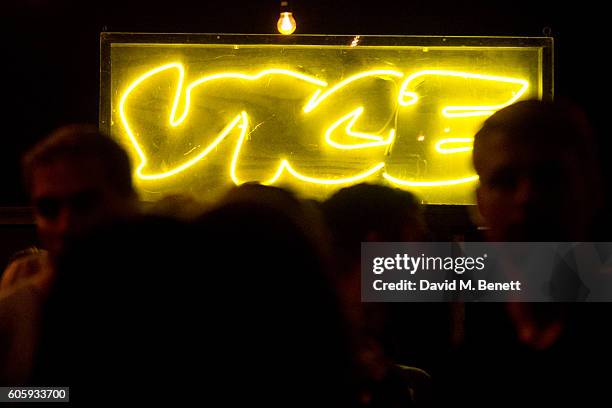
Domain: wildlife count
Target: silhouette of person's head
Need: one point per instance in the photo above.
(305, 214)
(286, 313)
(370, 212)
(77, 179)
(538, 174)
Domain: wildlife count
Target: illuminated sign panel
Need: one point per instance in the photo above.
(201, 113)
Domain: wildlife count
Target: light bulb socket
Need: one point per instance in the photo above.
(284, 7)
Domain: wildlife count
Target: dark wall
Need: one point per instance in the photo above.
(50, 48)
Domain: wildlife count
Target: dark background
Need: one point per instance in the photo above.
(50, 49)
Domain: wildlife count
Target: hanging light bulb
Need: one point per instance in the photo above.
(286, 23)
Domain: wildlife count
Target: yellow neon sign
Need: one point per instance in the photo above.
(414, 183)
(352, 118)
(273, 71)
(319, 97)
(378, 143)
(465, 145)
(285, 165)
(344, 180)
(462, 111)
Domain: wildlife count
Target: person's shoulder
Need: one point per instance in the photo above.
(24, 265)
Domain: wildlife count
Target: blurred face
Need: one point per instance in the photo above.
(529, 191)
(69, 198)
